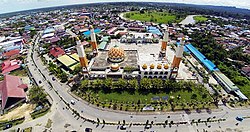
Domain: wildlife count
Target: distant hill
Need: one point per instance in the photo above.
(224, 11)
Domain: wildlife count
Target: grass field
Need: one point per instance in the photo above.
(156, 17)
(200, 18)
(19, 72)
(184, 96)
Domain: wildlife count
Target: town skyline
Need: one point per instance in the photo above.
(8, 6)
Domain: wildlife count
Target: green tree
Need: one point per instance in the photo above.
(77, 69)
(97, 83)
(145, 83)
(37, 95)
(157, 83)
(84, 84)
(108, 83)
(133, 84)
(121, 83)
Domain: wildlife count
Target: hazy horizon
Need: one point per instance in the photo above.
(8, 6)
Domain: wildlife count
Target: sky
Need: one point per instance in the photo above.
(19, 5)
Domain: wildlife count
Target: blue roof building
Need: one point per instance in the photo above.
(207, 63)
(154, 30)
(87, 33)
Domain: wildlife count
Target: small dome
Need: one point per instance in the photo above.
(166, 66)
(144, 66)
(152, 66)
(114, 67)
(159, 66)
(116, 54)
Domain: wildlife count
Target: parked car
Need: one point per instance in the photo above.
(88, 130)
(72, 102)
(239, 118)
(123, 127)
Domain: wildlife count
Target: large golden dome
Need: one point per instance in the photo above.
(116, 54)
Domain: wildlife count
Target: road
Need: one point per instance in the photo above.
(61, 116)
(188, 20)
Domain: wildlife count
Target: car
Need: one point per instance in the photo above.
(88, 130)
(53, 78)
(72, 102)
(7, 126)
(123, 127)
(40, 82)
(239, 118)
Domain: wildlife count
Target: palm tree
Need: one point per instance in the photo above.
(133, 84)
(37, 95)
(108, 83)
(145, 83)
(157, 83)
(84, 84)
(121, 83)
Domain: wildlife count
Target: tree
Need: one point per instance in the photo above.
(97, 83)
(77, 69)
(37, 95)
(133, 84)
(145, 83)
(157, 83)
(108, 83)
(121, 83)
(84, 84)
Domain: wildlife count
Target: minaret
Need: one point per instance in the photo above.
(178, 55)
(81, 53)
(93, 40)
(164, 43)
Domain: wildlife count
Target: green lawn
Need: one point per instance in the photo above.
(200, 18)
(19, 72)
(125, 96)
(245, 89)
(157, 17)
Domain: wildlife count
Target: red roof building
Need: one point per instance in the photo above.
(11, 54)
(10, 65)
(56, 52)
(12, 91)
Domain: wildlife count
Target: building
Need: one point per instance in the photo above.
(11, 54)
(12, 91)
(10, 65)
(56, 52)
(133, 37)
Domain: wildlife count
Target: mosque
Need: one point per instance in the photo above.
(117, 62)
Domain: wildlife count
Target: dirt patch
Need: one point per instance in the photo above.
(18, 112)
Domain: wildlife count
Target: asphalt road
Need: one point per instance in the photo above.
(61, 116)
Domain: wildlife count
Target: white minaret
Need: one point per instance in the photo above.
(93, 41)
(164, 42)
(81, 53)
(178, 54)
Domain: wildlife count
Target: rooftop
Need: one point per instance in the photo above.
(101, 61)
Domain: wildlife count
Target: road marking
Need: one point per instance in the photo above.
(186, 118)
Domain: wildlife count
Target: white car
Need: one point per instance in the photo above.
(72, 102)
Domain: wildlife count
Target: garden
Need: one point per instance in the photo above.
(145, 95)
(155, 16)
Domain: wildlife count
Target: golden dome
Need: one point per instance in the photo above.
(116, 54)
(152, 66)
(159, 66)
(166, 66)
(114, 67)
(144, 66)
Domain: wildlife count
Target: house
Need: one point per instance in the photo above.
(11, 54)
(12, 91)
(10, 65)
(246, 71)
(56, 52)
